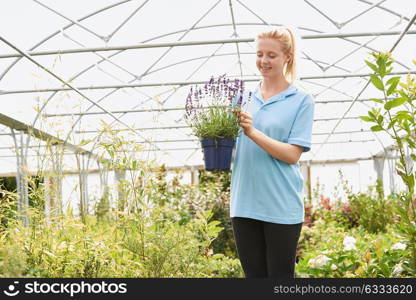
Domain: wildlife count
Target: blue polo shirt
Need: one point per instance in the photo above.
(263, 187)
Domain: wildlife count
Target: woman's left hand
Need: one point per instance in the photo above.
(246, 121)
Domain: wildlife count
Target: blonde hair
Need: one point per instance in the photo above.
(286, 38)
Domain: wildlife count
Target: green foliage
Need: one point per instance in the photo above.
(208, 108)
(217, 122)
(222, 178)
(337, 210)
(163, 228)
(12, 258)
(371, 210)
(8, 210)
(379, 249)
(131, 245)
(327, 253)
(396, 117)
(211, 193)
(220, 181)
(169, 231)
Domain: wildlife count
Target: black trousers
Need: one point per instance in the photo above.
(266, 249)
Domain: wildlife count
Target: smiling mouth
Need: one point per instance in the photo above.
(266, 68)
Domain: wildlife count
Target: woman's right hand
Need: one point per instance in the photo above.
(245, 120)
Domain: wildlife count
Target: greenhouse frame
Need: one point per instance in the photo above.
(76, 81)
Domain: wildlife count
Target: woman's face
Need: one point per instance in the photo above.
(270, 58)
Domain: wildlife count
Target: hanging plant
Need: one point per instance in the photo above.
(209, 112)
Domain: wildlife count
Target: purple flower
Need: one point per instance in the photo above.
(240, 100)
(219, 91)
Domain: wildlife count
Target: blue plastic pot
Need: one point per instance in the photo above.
(217, 153)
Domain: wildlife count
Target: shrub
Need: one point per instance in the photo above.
(150, 245)
(371, 210)
(332, 251)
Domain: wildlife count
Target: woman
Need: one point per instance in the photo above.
(267, 209)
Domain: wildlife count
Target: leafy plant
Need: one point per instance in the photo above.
(395, 115)
(209, 108)
(371, 210)
(68, 247)
(331, 251)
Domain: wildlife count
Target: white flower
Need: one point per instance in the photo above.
(62, 245)
(333, 267)
(397, 269)
(319, 261)
(398, 246)
(349, 243)
(99, 244)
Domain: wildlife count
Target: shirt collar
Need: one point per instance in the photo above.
(280, 96)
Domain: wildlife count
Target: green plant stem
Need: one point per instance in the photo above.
(403, 162)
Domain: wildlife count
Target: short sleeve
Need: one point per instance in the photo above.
(301, 131)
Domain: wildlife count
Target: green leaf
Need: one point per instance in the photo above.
(411, 143)
(406, 125)
(372, 66)
(377, 100)
(379, 250)
(410, 180)
(404, 112)
(366, 119)
(392, 124)
(376, 128)
(393, 103)
(214, 223)
(404, 95)
(377, 82)
(403, 116)
(84, 142)
(371, 114)
(393, 82)
(382, 67)
(380, 119)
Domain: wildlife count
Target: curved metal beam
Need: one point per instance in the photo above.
(411, 22)
(58, 31)
(41, 110)
(125, 1)
(181, 83)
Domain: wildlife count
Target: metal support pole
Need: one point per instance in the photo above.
(305, 170)
(392, 162)
(192, 43)
(192, 176)
(21, 178)
(82, 160)
(378, 164)
(309, 182)
(53, 183)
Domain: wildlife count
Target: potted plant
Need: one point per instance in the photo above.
(209, 112)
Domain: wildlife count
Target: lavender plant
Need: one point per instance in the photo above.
(209, 108)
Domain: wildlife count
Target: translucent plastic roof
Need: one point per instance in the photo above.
(128, 61)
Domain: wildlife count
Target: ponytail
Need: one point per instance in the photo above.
(290, 72)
